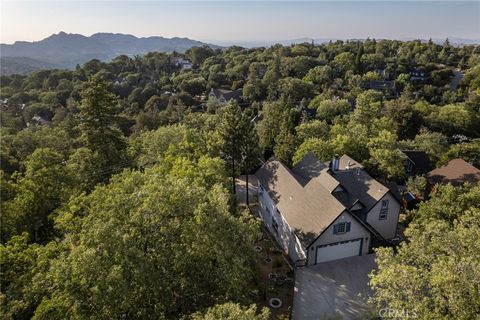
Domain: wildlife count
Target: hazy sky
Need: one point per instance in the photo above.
(242, 21)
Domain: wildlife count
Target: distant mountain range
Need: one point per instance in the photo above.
(66, 50)
(252, 44)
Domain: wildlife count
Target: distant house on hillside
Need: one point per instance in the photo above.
(225, 96)
(381, 85)
(455, 172)
(417, 74)
(39, 121)
(321, 212)
(416, 162)
(182, 63)
(385, 86)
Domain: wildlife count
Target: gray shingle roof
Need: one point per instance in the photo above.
(305, 197)
(308, 207)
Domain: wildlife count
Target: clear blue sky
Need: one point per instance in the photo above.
(230, 21)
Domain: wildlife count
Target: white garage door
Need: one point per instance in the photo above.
(338, 250)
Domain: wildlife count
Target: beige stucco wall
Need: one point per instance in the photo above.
(388, 227)
(357, 231)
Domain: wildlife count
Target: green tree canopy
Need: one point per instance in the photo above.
(434, 274)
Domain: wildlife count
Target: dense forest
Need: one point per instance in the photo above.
(117, 177)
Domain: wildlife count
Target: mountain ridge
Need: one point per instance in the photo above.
(66, 50)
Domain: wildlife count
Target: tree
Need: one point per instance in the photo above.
(294, 89)
(320, 75)
(329, 109)
(273, 114)
(434, 274)
(98, 112)
(322, 149)
(350, 138)
(385, 156)
(455, 118)
(23, 280)
(345, 61)
(231, 137)
(312, 129)
(38, 191)
(199, 54)
(407, 121)
(433, 143)
(250, 150)
(285, 143)
(468, 151)
(369, 106)
(417, 185)
(232, 311)
(159, 244)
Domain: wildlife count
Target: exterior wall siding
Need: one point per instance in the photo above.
(357, 231)
(388, 227)
(284, 235)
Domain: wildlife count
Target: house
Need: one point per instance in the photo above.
(38, 121)
(320, 212)
(417, 74)
(416, 162)
(385, 86)
(182, 63)
(455, 172)
(225, 96)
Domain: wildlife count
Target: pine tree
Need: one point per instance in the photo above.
(250, 149)
(98, 113)
(231, 137)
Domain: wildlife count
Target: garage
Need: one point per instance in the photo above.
(338, 250)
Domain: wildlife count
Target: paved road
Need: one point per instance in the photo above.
(333, 288)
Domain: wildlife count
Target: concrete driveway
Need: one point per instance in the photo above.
(241, 188)
(332, 289)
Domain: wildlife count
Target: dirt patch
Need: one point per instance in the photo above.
(274, 277)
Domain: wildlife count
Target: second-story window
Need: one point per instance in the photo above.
(342, 227)
(383, 210)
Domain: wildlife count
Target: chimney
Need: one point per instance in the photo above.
(335, 163)
(348, 165)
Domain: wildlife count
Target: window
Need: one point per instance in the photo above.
(275, 225)
(409, 166)
(383, 210)
(342, 227)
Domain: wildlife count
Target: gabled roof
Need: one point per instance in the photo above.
(456, 172)
(361, 186)
(419, 159)
(227, 94)
(308, 197)
(308, 207)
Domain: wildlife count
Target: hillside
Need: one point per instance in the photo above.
(64, 50)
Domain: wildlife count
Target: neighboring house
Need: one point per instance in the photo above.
(39, 121)
(225, 96)
(416, 162)
(383, 73)
(182, 63)
(455, 172)
(417, 74)
(321, 212)
(385, 86)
